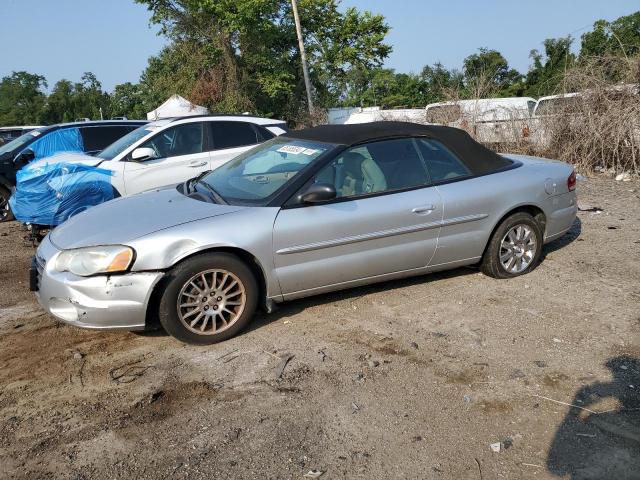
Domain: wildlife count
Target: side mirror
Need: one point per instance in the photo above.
(24, 157)
(141, 154)
(318, 192)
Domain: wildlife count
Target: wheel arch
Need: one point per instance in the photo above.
(536, 212)
(248, 258)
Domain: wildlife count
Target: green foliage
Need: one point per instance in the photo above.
(487, 73)
(388, 89)
(174, 70)
(548, 70)
(21, 98)
(127, 101)
(620, 37)
(71, 101)
(441, 82)
(242, 55)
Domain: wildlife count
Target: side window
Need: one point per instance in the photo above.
(264, 134)
(97, 138)
(442, 163)
(185, 139)
(375, 167)
(232, 134)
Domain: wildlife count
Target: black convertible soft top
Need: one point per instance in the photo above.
(476, 157)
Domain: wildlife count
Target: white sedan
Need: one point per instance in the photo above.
(174, 150)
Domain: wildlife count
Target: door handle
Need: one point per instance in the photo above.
(425, 209)
(197, 164)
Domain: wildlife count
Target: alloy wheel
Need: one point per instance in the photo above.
(211, 301)
(518, 248)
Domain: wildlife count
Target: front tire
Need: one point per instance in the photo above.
(6, 214)
(514, 248)
(208, 298)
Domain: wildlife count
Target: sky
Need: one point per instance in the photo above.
(113, 38)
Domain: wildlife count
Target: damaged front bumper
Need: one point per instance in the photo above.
(98, 302)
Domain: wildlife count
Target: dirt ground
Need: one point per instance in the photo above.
(407, 379)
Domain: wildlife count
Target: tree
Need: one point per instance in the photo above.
(70, 101)
(620, 37)
(127, 101)
(89, 100)
(243, 54)
(21, 98)
(385, 88)
(441, 84)
(59, 106)
(546, 75)
(607, 52)
(487, 74)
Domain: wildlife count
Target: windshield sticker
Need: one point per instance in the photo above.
(292, 149)
(309, 151)
(34, 133)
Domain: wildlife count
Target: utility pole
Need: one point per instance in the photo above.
(303, 55)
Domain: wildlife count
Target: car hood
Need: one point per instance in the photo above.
(126, 218)
(65, 157)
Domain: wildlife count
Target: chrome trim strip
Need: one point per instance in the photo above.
(464, 219)
(381, 234)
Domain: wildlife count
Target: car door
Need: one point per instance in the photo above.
(385, 219)
(180, 154)
(229, 139)
(468, 203)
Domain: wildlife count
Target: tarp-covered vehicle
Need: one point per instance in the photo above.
(51, 194)
(160, 153)
(40, 143)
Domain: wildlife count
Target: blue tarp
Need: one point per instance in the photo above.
(63, 140)
(51, 194)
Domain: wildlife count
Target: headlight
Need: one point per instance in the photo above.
(92, 260)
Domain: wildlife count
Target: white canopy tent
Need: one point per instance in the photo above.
(176, 106)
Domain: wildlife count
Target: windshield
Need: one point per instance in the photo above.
(260, 172)
(120, 145)
(21, 140)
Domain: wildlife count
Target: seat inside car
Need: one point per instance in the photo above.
(358, 175)
(188, 140)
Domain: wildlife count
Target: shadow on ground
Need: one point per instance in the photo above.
(568, 238)
(604, 445)
(294, 307)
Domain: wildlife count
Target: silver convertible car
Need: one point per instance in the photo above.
(312, 211)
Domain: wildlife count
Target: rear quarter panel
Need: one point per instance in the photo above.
(486, 200)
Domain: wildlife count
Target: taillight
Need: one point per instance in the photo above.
(571, 181)
(525, 131)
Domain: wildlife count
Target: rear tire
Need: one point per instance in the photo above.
(208, 298)
(514, 248)
(6, 214)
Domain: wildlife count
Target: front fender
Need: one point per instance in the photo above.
(249, 230)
